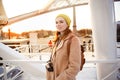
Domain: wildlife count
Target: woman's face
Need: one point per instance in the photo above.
(61, 24)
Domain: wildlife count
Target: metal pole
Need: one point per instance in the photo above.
(74, 20)
(9, 33)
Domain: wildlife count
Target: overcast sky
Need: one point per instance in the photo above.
(45, 21)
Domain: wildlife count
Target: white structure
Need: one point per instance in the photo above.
(33, 68)
(33, 38)
(104, 35)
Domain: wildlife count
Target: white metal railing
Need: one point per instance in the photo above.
(41, 62)
(110, 74)
(36, 48)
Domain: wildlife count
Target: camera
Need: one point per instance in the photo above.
(49, 66)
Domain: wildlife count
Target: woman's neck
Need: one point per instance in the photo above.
(64, 33)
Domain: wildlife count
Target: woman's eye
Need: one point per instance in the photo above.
(61, 21)
(56, 22)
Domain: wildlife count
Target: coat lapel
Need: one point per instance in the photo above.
(57, 47)
(60, 45)
(62, 42)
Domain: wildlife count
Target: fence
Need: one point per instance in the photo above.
(25, 49)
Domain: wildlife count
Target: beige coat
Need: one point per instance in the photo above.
(66, 65)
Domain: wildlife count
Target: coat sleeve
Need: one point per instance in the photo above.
(49, 75)
(74, 61)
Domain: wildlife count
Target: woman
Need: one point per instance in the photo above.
(65, 58)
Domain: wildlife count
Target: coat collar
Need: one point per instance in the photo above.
(56, 48)
(63, 40)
